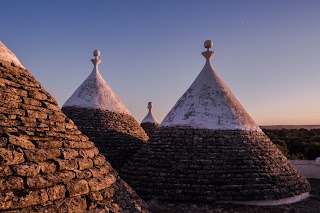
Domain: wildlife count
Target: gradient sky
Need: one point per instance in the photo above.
(266, 51)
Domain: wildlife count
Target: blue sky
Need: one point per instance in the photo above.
(266, 51)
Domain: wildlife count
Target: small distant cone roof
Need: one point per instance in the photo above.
(95, 93)
(7, 55)
(150, 118)
(209, 103)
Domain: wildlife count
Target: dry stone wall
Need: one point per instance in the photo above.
(118, 136)
(46, 163)
(187, 164)
(150, 128)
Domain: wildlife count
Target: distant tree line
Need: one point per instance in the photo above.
(296, 144)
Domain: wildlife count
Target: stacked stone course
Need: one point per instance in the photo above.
(190, 164)
(46, 163)
(150, 128)
(150, 123)
(118, 136)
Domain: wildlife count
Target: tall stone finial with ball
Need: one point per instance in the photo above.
(96, 61)
(150, 106)
(208, 54)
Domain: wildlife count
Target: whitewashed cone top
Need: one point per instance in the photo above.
(209, 103)
(95, 93)
(150, 118)
(8, 55)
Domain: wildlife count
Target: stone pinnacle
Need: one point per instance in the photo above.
(208, 54)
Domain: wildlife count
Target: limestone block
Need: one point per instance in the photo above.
(72, 204)
(37, 95)
(36, 197)
(108, 193)
(5, 170)
(84, 174)
(17, 91)
(5, 82)
(47, 167)
(41, 155)
(6, 200)
(97, 184)
(95, 196)
(78, 144)
(67, 164)
(88, 153)
(61, 177)
(69, 153)
(49, 144)
(39, 182)
(11, 183)
(78, 187)
(12, 111)
(26, 169)
(10, 157)
(7, 96)
(23, 143)
(56, 192)
(57, 118)
(9, 104)
(26, 120)
(36, 114)
(97, 173)
(99, 160)
(85, 163)
(31, 101)
(3, 141)
(51, 106)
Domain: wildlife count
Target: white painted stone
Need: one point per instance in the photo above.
(318, 160)
(150, 118)
(95, 93)
(8, 55)
(270, 202)
(308, 168)
(209, 104)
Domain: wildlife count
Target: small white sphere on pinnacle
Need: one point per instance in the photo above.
(208, 44)
(96, 53)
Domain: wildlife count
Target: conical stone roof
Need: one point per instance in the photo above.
(46, 163)
(7, 55)
(150, 123)
(209, 104)
(95, 93)
(209, 149)
(101, 115)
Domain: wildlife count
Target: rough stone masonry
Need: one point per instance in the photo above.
(150, 128)
(46, 163)
(118, 136)
(190, 164)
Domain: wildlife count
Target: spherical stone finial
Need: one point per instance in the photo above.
(150, 105)
(96, 61)
(208, 44)
(96, 53)
(208, 54)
